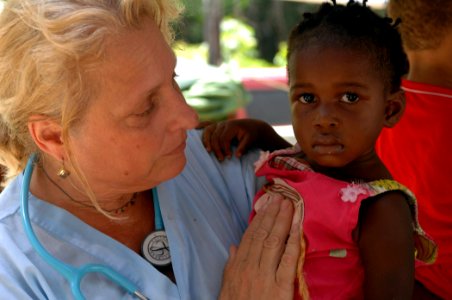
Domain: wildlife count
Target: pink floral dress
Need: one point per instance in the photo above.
(328, 209)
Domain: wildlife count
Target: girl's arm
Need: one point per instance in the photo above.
(386, 243)
(247, 133)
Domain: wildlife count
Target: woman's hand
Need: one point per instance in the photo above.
(264, 265)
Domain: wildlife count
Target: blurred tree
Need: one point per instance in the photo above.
(270, 19)
(190, 29)
(238, 42)
(213, 14)
(264, 17)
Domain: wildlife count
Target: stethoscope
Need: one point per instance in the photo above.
(157, 245)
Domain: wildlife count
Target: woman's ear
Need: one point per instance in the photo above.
(47, 135)
(395, 106)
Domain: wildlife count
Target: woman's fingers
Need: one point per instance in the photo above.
(261, 229)
(275, 243)
(286, 272)
(264, 266)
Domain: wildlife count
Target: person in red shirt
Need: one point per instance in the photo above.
(417, 150)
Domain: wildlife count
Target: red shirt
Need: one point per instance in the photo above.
(418, 152)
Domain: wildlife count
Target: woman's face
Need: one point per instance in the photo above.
(133, 134)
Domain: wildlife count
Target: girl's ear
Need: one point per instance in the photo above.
(395, 106)
(47, 135)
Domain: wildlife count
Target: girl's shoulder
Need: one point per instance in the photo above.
(381, 186)
(426, 249)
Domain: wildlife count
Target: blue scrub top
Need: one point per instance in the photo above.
(205, 210)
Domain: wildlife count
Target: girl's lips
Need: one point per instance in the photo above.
(328, 149)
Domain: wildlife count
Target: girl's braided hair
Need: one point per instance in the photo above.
(354, 25)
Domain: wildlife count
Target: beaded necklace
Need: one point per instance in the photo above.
(116, 211)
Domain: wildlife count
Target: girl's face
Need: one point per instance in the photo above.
(338, 103)
(133, 134)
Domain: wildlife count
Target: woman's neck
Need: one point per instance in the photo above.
(129, 227)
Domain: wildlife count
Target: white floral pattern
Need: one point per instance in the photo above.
(351, 192)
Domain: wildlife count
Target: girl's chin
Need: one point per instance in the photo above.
(328, 162)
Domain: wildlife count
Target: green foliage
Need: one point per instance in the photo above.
(280, 59)
(251, 30)
(190, 28)
(238, 46)
(263, 22)
(236, 38)
(197, 52)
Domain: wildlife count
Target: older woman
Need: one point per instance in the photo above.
(87, 91)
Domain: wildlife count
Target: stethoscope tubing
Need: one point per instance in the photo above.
(73, 275)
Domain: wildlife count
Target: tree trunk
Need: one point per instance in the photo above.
(213, 13)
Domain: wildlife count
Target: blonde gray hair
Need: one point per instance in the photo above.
(47, 50)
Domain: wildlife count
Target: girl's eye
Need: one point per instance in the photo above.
(307, 98)
(350, 98)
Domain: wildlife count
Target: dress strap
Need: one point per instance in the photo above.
(426, 248)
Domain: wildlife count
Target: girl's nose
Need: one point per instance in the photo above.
(326, 117)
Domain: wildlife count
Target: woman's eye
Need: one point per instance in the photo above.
(175, 84)
(146, 112)
(350, 98)
(306, 98)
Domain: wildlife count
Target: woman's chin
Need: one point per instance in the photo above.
(174, 168)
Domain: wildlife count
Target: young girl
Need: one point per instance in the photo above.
(360, 228)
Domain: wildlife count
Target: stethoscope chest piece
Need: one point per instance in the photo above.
(155, 249)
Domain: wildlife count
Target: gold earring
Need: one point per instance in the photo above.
(62, 172)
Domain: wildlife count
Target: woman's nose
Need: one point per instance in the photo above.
(185, 116)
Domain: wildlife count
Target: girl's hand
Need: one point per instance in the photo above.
(264, 265)
(248, 133)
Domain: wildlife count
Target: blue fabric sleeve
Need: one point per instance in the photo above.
(205, 211)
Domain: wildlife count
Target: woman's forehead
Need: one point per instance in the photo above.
(138, 57)
(136, 64)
